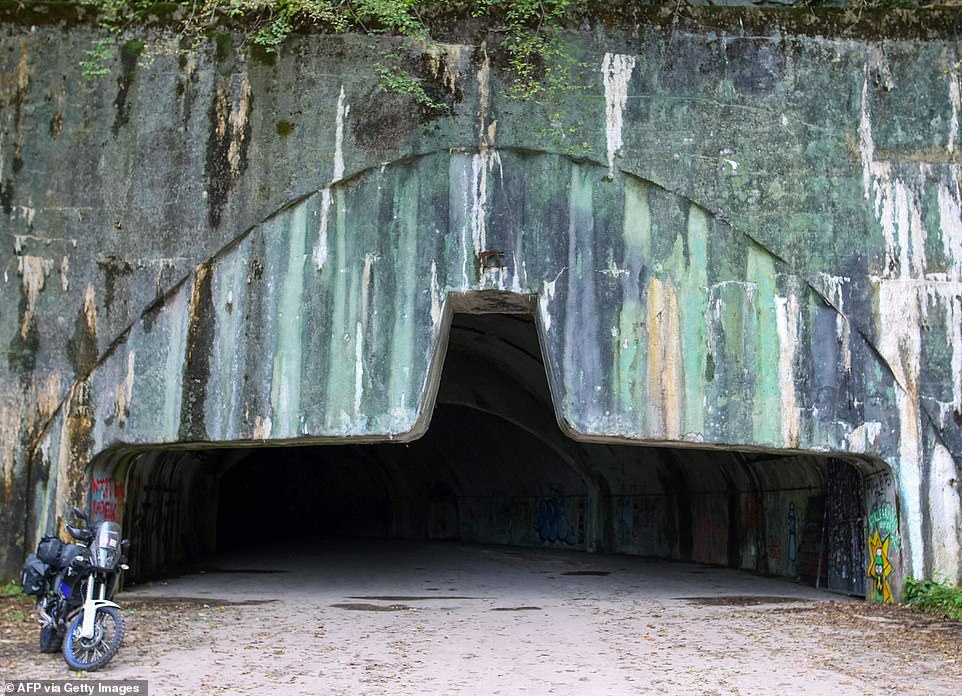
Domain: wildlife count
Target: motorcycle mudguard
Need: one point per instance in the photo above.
(90, 611)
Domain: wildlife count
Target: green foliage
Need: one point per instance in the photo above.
(934, 597)
(528, 28)
(98, 57)
(396, 79)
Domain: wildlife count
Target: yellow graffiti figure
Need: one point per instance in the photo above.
(879, 568)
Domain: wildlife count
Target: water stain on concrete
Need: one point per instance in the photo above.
(739, 600)
(373, 607)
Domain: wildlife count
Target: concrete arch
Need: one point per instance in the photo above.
(658, 322)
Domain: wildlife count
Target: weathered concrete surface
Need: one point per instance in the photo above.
(738, 234)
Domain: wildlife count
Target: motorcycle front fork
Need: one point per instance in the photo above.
(90, 606)
(92, 603)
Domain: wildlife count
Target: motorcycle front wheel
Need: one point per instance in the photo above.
(89, 654)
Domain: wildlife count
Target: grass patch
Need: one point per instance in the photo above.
(934, 597)
(9, 589)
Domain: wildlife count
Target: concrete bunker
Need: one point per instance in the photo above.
(494, 467)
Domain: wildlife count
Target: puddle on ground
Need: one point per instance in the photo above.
(261, 571)
(587, 572)
(141, 603)
(740, 600)
(411, 598)
(516, 609)
(373, 607)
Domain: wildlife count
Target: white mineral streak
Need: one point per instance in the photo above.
(547, 295)
(787, 321)
(864, 438)
(262, 428)
(897, 205)
(908, 291)
(27, 214)
(176, 314)
(320, 249)
(33, 271)
(342, 111)
(479, 191)
(482, 163)
(900, 344)
(616, 73)
(64, 271)
(360, 328)
(946, 517)
(358, 369)
(435, 296)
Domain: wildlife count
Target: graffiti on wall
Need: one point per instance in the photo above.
(880, 568)
(106, 498)
(884, 544)
(560, 520)
(884, 520)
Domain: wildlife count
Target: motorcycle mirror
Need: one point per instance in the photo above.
(81, 514)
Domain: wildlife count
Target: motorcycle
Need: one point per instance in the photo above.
(74, 585)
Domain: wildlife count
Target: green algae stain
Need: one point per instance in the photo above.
(693, 285)
(286, 382)
(340, 377)
(403, 393)
(629, 383)
(766, 411)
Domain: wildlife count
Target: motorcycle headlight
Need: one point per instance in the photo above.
(105, 549)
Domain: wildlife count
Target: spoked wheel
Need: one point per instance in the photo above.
(89, 654)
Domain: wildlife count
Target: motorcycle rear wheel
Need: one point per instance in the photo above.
(89, 654)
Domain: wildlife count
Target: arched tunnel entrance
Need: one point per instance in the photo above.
(494, 467)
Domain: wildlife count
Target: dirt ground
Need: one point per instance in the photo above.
(437, 618)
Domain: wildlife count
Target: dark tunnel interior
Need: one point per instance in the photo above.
(494, 467)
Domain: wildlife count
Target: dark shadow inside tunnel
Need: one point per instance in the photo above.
(494, 467)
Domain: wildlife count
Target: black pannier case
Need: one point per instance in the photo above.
(49, 550)
(33, 575)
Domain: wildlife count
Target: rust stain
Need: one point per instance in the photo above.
(9, 436)
(232, 123)
(76, 443)
(124, 392)
(34, 271)
(23, 91)
(196, 303)
(90, 310)
(665, 372)
(21, 418)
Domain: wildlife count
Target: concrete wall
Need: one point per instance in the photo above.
(737, 229)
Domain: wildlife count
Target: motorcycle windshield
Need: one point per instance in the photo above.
(105, 549)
